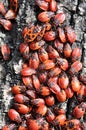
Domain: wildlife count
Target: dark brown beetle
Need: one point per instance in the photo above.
(6, 24)
(45, 16)
(36, 82)
(72, 124)
(58, 45)
(43, 55)
(22, 109)
(41, 111)
(71, 36)
(10, 14)
(24, 50)
(17, 89)
(53, 53)
(75, 84)
(59, 19)
(27, 71)
(5, 51)
(54, 72)
(63, 63)
(27, 82)
(61, 35)
(79, 110)
(44, 91)
(46, 65)
(43, 77)
(50, 115)
(63, 80)
(82, 77)
(34, 60)
(53, 5)
(75, 67)
(67, 50)
(20, 98)
(42, 4)
(59, 120)
(81, 93)
(69, 92)
(76, 54)
(38, 102)
(2, 8)
(14, 115)
(31, 94)
(50, 100)
(61, 96)
(49, 36)
(36, 45)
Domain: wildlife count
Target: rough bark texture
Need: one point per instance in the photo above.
(9, 70)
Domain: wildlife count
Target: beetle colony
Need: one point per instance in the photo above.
(50, 74)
